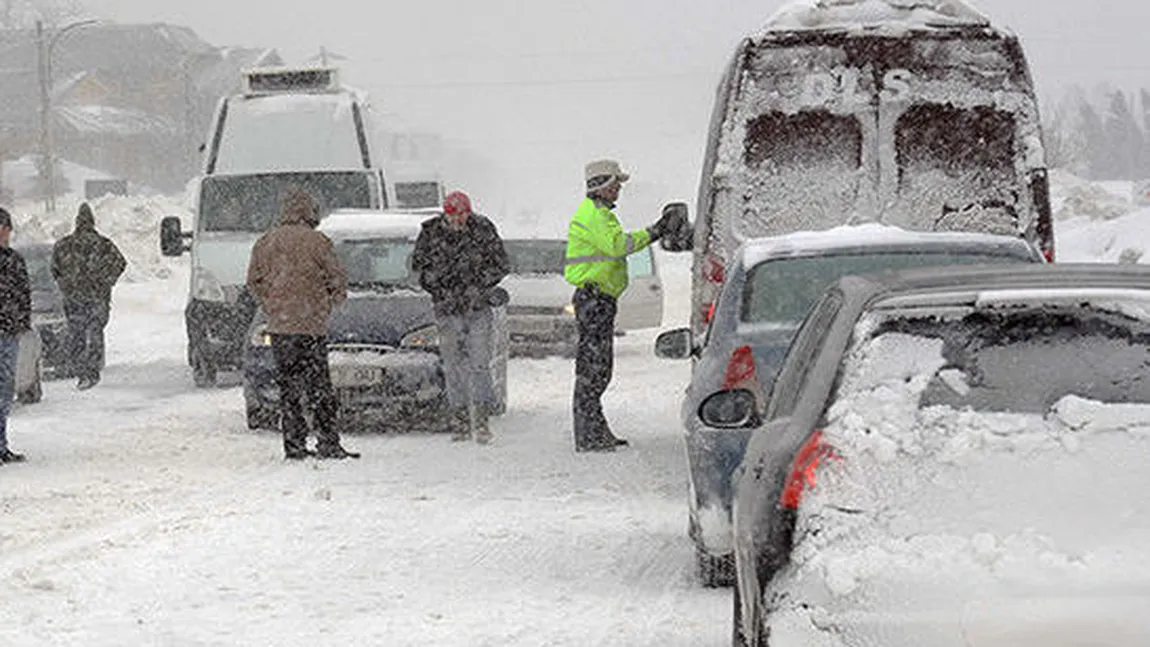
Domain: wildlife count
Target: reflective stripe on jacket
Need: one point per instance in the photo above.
(597, 248)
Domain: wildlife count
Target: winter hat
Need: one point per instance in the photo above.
(600, 173)
(299, 206)
(456, 204)
(84, 218)
(5, 218)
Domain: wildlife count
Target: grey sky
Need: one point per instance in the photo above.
(522, 81)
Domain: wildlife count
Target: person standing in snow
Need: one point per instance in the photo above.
(296, 277)
(15, 319)
(86, 265)
(460, 260)
(596, 264)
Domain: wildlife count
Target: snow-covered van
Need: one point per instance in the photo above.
(919, 114)
(289, 127)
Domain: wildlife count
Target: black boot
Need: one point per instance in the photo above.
(459, 422)
(9, 456)
(335, 453)
(482, 429)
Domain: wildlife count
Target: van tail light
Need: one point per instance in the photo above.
(713, 269)
(1048, 254)
(804, 470)
(740, 368)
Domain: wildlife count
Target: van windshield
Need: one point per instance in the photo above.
(253, 203)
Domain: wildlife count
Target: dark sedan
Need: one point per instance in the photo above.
(951, 457)
(383, 343)
(772, 284)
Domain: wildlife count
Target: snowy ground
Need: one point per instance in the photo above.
(149, 515)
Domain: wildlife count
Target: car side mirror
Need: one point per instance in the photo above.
(498, 297)
(675, 344)
(730, 409)
(173, 240)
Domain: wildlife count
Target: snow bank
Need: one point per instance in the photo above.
(132, 222)
(892, 16)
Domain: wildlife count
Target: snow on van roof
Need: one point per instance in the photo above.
(873, 16)
(368, 223)
(757, 250)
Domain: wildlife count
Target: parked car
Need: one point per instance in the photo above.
(540, 316)
(383, 342)
(47, 308)
(771, 285)
(951, 456)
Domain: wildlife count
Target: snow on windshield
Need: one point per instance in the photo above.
(928, 506)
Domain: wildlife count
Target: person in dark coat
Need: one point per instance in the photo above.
(298, 280)
(460, 259)
(86, 265)
(15, 319)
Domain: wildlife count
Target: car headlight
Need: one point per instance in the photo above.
(426, 337)
(569, 309)
(205, 286)
(261, 336)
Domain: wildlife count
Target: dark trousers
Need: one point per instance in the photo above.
(85, 346)
(594, 363)
(302, 372)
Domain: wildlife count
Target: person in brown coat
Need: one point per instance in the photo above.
(296, 277)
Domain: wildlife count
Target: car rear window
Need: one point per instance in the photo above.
(783, 290)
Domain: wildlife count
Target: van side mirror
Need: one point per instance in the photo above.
(680, 235)
(675, 344)
(173, 240)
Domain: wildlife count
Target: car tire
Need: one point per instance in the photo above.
(203, 371)
(32, 394)
(263, 418)
(714, 572)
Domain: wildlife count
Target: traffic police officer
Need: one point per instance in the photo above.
(596, 264)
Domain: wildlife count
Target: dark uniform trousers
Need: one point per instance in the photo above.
(302, 372)
(594, 363)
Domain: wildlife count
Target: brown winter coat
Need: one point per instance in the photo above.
(296, 276)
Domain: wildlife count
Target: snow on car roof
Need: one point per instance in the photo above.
(889, 17)
(757, 250)
(366, 223)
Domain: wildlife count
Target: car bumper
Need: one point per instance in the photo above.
(542, 334)
(385, 384)
(713, 456)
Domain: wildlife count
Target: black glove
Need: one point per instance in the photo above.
(497, 297)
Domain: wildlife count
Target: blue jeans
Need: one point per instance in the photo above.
(9, 347)
(465, 346)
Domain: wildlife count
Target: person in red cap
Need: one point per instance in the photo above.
(460, 260)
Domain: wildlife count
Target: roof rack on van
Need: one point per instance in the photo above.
(285, 80)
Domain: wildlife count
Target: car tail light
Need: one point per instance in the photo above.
(708, 312)
(713, 269)
(804, 470)
(1048, 254)
(740, 368)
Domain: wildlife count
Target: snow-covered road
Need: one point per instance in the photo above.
(149, 515)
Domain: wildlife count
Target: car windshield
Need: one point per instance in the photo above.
(417, 195)
(783, 290)
(536, 256)
(253, 203)
(377, 263)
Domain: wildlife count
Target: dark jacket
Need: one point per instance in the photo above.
(296, 276)
(459, 268)
(85, 264)
(15, 294)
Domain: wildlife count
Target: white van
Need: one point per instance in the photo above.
(290, 127)
(917, 115)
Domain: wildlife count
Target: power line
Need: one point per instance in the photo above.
(667, 78)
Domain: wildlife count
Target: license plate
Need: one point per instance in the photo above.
(355, 375)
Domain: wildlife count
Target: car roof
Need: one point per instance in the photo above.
(35, 248)
(877, 238)
(1022, 277)
(373, 223)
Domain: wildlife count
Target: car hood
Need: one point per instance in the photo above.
(380, 318)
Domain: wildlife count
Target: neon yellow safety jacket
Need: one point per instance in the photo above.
(597, 248)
